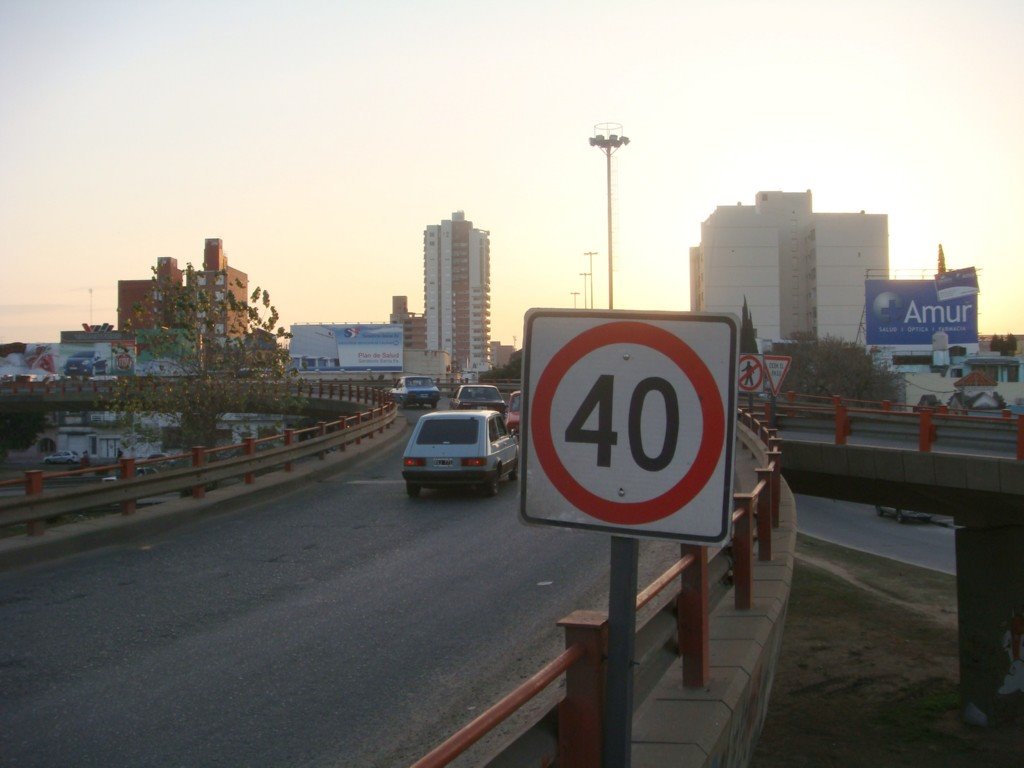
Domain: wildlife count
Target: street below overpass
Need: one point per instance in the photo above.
(928, 544)
(343, 625)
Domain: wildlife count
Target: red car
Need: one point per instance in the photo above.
(512, 417)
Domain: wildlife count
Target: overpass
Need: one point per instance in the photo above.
(968, 466)
(964, 465)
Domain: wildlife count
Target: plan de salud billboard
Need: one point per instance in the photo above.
(347, 347)
(909, 312)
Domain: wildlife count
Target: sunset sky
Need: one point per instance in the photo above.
(318, 139)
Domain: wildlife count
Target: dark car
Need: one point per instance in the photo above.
(86, 363)
(479, 397)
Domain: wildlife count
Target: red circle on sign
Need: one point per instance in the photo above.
(712, 413)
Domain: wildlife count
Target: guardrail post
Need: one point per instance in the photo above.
(842, 423)
(1020, 438)
(925, 431)
(321, 430)
(764, 514)
(581, 711)
(775, 462)
(289, 438)
(250, 450)
(198, 459)
(692, 623)
(886, 405)
(128, 506)
(743, 552)
(33, 487)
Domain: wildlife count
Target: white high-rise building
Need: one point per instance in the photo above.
(800, 271)
(457, 291)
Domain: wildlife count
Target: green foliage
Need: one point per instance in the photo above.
(942, 261)
(19, 431)
(513, 370)
(227, 349)
(833, 366)
(748, 334)
(1006, 345)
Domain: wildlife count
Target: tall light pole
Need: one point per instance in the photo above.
(585, 275)
(608, 138)
(574, 295)
(591, 254)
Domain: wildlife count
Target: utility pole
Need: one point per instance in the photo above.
(591, 254)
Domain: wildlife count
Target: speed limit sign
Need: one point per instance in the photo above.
(628, 422)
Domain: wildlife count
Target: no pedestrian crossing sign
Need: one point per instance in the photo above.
(629, 421)
(751, 376)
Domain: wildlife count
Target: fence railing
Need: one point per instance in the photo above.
(681, 600)
(926, 426)
(48, 495)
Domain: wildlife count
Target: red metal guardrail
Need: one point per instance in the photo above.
(579, 713)
(203, 464)
(930, 424)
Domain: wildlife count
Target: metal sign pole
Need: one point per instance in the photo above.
(618, 718)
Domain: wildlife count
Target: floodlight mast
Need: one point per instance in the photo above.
(608, 138)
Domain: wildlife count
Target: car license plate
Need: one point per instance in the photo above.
(442, 462)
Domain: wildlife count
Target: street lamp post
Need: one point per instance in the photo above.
(585, 275)
(608, 138)
(574, 295)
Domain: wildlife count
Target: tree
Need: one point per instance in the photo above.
(1006, 345)
(748, 334)
(942, 261)
(512, 370)
(833, 366)
(226, 352)
(19, 431)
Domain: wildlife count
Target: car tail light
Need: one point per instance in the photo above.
(411, 462)
(474, 462)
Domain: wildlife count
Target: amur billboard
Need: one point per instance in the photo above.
(909, 312)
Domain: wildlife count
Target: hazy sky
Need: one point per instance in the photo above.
(318, 139)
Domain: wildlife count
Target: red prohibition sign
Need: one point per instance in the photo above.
(712, 413)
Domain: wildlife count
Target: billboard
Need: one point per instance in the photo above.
(35, 361)
(348, 347)
(911, 311)
(955, 283)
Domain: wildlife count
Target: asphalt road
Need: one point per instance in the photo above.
(858, 526)
(344, 625)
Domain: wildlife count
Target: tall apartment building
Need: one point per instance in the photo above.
(457, 291)
(799, 271)
(140, 302)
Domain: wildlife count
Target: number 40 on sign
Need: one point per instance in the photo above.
(628, 422)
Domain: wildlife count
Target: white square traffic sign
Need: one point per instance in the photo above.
(628, 422)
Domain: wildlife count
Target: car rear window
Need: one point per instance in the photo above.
(480, 393)
(448, 432)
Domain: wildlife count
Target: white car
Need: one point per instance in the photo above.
(62, 457)
(460, 448)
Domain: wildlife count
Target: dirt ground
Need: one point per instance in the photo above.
(868, 672)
